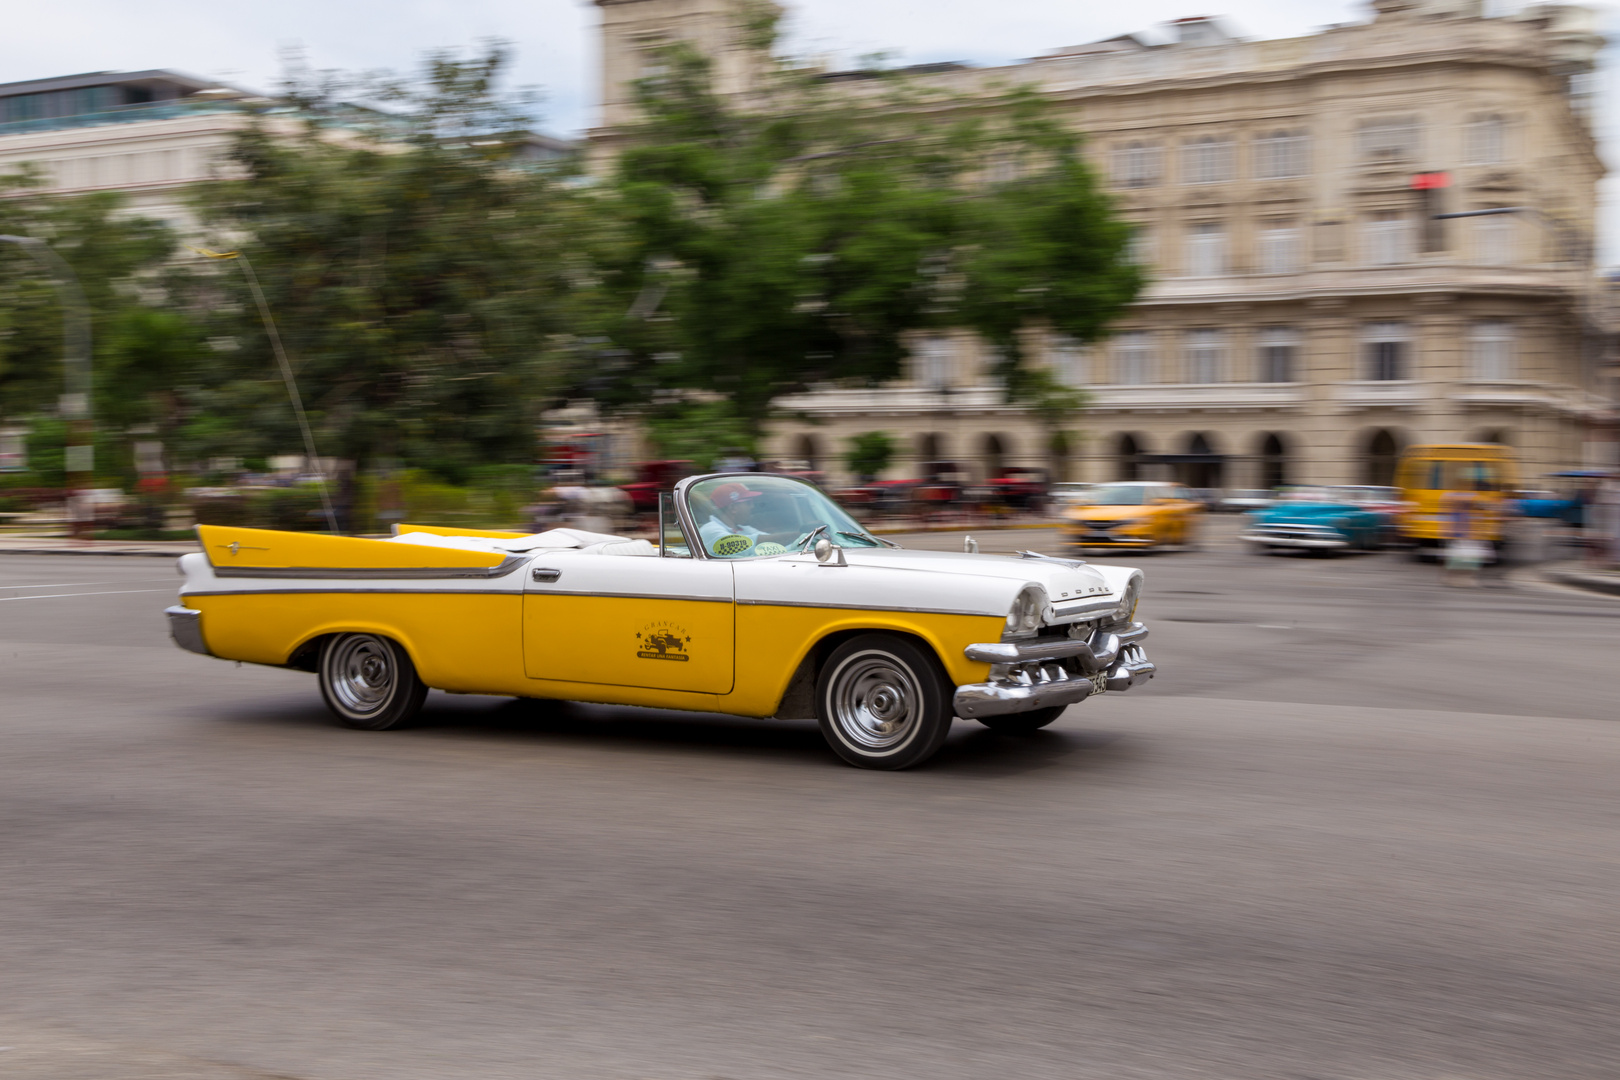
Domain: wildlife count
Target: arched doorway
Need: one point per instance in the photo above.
(1495, 435)
(1273, 461)
(993, 452)
(1378, 458)
(1203, 467)
(807, 448)
(1128, 451)
(930, 449)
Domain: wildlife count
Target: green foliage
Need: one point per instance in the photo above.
(699, 432)
(110, 253)
(804, 235)
(418, 287)
(869, 454)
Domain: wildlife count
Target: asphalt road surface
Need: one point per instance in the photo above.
(1362, 827)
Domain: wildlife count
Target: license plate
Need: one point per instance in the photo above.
(1099, 682)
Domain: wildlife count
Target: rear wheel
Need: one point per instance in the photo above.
(1023, 723)
(369, 682)
(882, 702)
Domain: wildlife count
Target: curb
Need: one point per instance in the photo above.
(1596, 583)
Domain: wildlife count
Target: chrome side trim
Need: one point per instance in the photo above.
(631, 595)
(379, 573)
(185, 626)
(867, 607)
(338, 590)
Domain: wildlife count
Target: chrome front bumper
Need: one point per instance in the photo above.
(1028, 677)
(185, 626)
(1296, 540)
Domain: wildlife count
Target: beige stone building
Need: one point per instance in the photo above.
(1308, 314)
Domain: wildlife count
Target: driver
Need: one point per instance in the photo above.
(733, 511)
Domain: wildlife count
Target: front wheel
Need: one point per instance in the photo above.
(882, 702)
(1023, 723)
(369, 682)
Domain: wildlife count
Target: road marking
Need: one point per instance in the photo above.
(108, 592)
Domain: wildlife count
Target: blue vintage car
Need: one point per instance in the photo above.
(1324, 519)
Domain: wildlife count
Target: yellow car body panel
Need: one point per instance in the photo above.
(1169, 522)
(233, 548)
(466, 641)
(1426, 474)
(772, 641)
(654, 644)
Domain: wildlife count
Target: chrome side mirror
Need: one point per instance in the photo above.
(829, 553)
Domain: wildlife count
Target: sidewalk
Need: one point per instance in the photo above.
(62, 545)
(1585, 577)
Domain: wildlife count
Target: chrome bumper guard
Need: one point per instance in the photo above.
(1028, 677)
(185, 626)
(1295, 540)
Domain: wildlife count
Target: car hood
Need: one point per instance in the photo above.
(1109, 513)
(1316, 513)
(942, 581)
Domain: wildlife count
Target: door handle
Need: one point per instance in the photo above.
(541, 573)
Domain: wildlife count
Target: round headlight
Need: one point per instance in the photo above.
(1027, 608)
(1127, 602)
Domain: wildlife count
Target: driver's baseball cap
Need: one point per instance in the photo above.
(731, 494)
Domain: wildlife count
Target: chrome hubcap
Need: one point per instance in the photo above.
(361, 671)
(875, 702)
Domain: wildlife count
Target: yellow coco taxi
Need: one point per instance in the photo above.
(1136, 514)
(761, 598)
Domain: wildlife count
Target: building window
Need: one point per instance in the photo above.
(1066, 358)
(1278, 345)
(1279, 248)
(1385, 346)
(1397, 138)
(1486, 141)
(1206, 249)
(934, 356)
(1206, 356)
(1387, 239)
(1206, 161)
(1139, 249)
(1137, 165)
(1280, 154)
(1133, 358)
(1493, 239)
(1491, 344)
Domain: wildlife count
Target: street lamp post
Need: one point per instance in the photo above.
(75, 401)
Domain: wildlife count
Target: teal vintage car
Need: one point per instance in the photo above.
(1323, 519)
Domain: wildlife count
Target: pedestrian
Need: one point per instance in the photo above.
(1465, 551)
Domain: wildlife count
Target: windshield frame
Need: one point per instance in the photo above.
(690, 525)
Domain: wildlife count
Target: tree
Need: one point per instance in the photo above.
(803, 233)
(420, 273)
(869, 454)
(117, 260)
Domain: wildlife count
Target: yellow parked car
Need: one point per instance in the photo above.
(762, 597)
(1426, 474)
(1134, 514)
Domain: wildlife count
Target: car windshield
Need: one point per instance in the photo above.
(1117, 495)
(745, 517)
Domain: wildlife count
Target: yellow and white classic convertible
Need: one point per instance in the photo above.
(762, 597)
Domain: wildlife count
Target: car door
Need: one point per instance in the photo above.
(626, 620)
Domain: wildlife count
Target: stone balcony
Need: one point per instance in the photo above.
(1203, 397)
(1152, 398)
(1438, 276)
(1381, 394)
(1526, 395)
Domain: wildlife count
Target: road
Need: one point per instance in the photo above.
(1362, 827)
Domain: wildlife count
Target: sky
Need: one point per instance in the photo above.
(555, 47)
